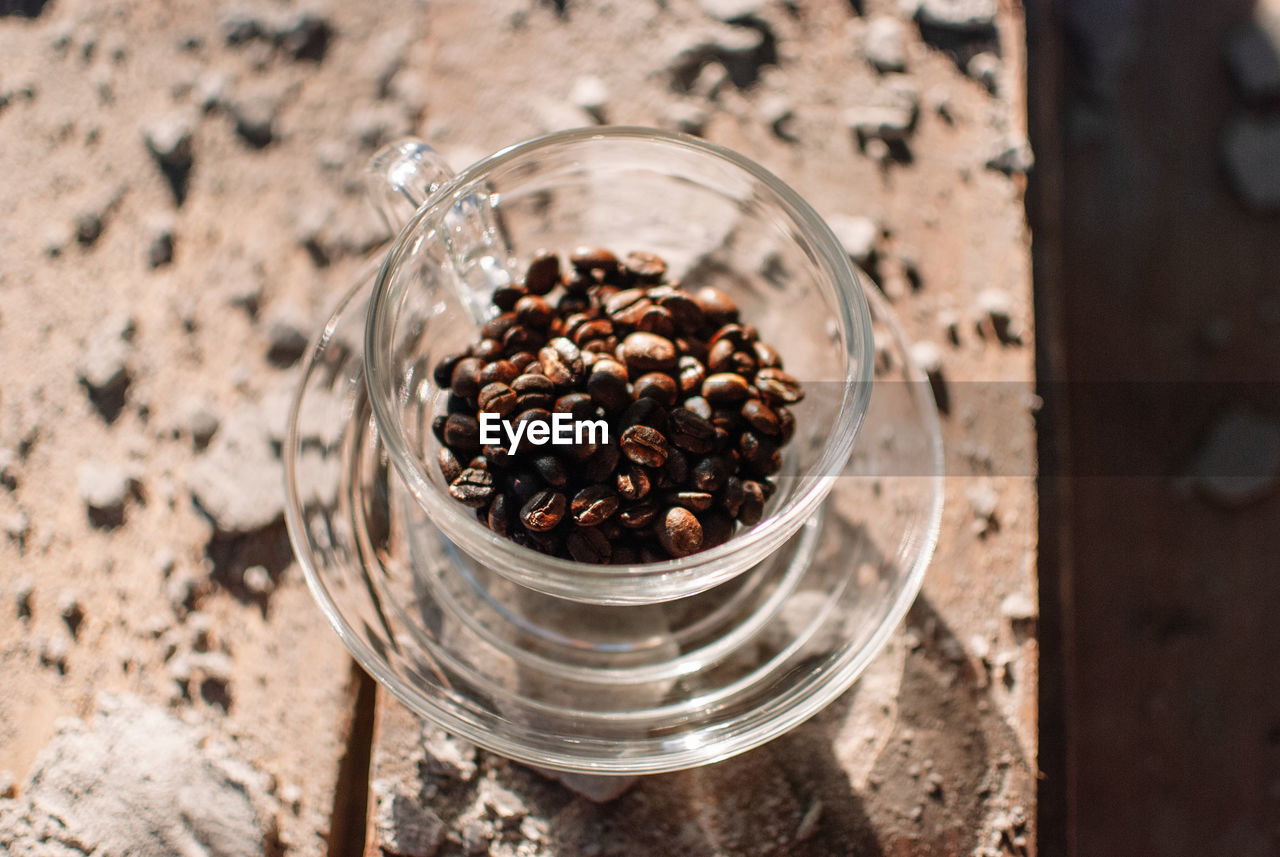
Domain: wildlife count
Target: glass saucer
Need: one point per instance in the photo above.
(608, 689)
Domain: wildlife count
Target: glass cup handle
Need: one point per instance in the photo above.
(402, 176)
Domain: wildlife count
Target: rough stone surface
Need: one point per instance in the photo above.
(404, 826)
(136, 781)
(238, 480)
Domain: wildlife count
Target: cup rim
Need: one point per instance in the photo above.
(647, 582)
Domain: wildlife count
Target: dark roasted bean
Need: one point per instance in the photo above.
(543, 273)
(624, 555)
(761, 418)
(718, 307)
(767, 487)
(473, 487)
(725, 388)
(592, 331)
(603, 462)
(709, 474)
(676, 468)
(720, 356)
(717, 528)
(522, 338)
(522, 359)
(443, 373)
(572, 302)
(450, 466)
(497, 399)
(734, 334)
(698, 501)
(766, 355)
(456, 404)
(543, 511)
(689, 431)
(607, 384)
(786, 424)
(648, 352)
(561, 361)
(625, 301)
(551, 470)
(692, 374)
(646, 412)
(522, 484)
(496, 327)
(656, 385)
(699, 406)
(593, 259)
(644, 445)
(632, 482)
(479, 462)
(534, 391)
(637, 515)
(498, 372)
(588, 545)
(465, 380)
(438, 423)
(777, 386)
(752, 504)
(580, 405)
(505, 297)
(657, 320)
(645, 266)
(499, 515)
(533, 311)
(684, 310)
(592, 505)
(462, 432)
(497, 455)
(488, 350)
(680, 534)
(733, 495)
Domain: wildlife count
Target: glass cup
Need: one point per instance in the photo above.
(716, 218)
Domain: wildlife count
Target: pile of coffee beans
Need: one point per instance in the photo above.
(695, 403)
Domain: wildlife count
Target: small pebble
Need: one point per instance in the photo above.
(255, 119)
(590, 93)
(884, 43)
(985, 68)
(103, 487)
(257, 580)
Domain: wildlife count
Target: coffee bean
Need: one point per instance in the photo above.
(725, 388)
(450, 466)
(675, 470)
(720, 357)
(462, 432)
(572, 302)
(438, 422)
(497, 455)
(561, 361)
(522, 484)
(644, 266)
(443, 373)
(766, 355)
(698, 501)
(551, 470)
(632, 482)
(497, 399)
(644, 445)
(777, 386)
(692, 373)
(624, 555)
(644, 411)
(465, 380)
(543, 273)
(752, 504)
(498, 372)
(498, 517)
(607, 384)
(533, 311)
(496, 327)
(474, 487)
(734, 334)
(689, 431)
(488, 350)
(543, 511)
(627, 305)
(761, 418)
(684, 310)
(710, 473)
(592, 505)
(717, 528)
(733, 495)
(718, 307)
(534, 391)
(658, 321)
(602, 463)
(637, 515)
(593, 259)
(680, 534)
(505, 297)
(522, 359)
(588, 544)
(699, 406)
(579, 405)
(658, 386)
(592, 331)
(786, 424)
(522, 338)
(648, 352)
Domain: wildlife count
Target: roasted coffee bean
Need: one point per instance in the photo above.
(543, 273)
(488, 350)
(718, 307)
(498, 372)
(725, 388)
(694, 348)
(462, 432)
(533, 311)
(710, 473)
(496, 327)
(720, 357)
(505, 297)
(522, 359)
(689, 431)
(607, 384)
(786, 424)
(733, 495)
(498, 517)
(592, 331)
(692, 373)
(644, 266)
(608, 345)
(699, 406)
(777, 386)
(465, 380)
(561, 361)
(632, 482)
(675, 470)
(579, 405)
(473, 487)
(767, 487)
(592, 505)
(552, 470)
(637, 515)
(579, 452)
(684, 310)
(438, 422)
(588, 544)
(450, 466)
(543, 511)
(497, 399)
(534, 391)
(657, 320)
(644, 411)
(644, 445)
(572, 302)
(593, 259)
(456, 404)
(626, 301)
(602, 463)
(761, 418)
(443, 373)
(752, 504)
(648, 352)
(530, 416)
(717, 528)
(698, 501)
(680, 534)
(656, 385)
(522, 484)
(766, 356)
(734, 334)
(497, 455)
(522, 338)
